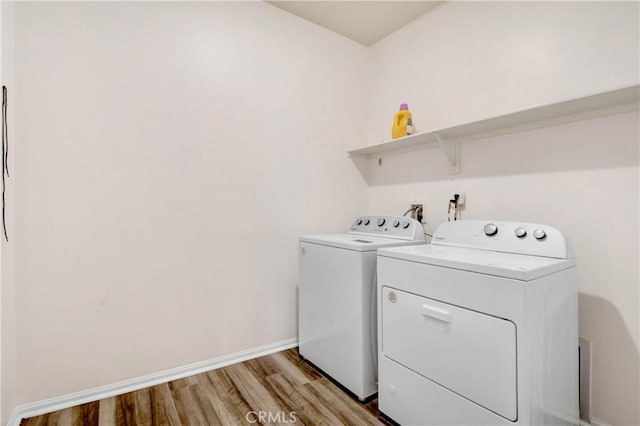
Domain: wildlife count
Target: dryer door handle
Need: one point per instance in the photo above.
(437, 313)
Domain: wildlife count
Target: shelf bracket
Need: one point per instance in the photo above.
(451, 148)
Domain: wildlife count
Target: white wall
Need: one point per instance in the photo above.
(169, 156)
(465, 61)
(7, 287)
(1, 269)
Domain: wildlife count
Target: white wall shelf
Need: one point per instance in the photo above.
(601, 104)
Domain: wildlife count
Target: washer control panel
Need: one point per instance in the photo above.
(389, 227)
(508, 237)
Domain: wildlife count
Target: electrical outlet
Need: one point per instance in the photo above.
(417, 212)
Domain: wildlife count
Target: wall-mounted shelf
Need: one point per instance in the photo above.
(601, 104)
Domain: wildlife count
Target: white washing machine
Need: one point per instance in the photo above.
(337, 307)
(480, 327)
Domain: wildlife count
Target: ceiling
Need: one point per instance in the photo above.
(365, 22)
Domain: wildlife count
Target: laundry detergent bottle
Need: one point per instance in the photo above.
(402, 123)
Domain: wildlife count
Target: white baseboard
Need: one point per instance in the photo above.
(593, 422)
(70, 400)
(597, 422)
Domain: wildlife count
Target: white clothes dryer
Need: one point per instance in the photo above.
(337, 272)
(480, 327)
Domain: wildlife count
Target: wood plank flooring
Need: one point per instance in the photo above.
(276, 385)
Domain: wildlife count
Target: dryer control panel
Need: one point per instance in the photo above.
(389, 227)
(508, 237)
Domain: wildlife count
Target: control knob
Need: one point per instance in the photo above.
(381, 221)
(359, 222)
(490, 229)
(367, 221)
(405, 224)
(396, 223)
(521, 232)
(539, 234)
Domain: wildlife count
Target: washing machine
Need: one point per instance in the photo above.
(480, 327)
(337, 272)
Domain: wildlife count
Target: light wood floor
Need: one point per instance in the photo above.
(276, 383)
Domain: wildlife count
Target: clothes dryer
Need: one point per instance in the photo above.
(480, 327)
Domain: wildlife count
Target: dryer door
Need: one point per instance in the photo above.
(467, 352)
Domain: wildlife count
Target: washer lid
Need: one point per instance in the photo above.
(517, 266)
(355, 242)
